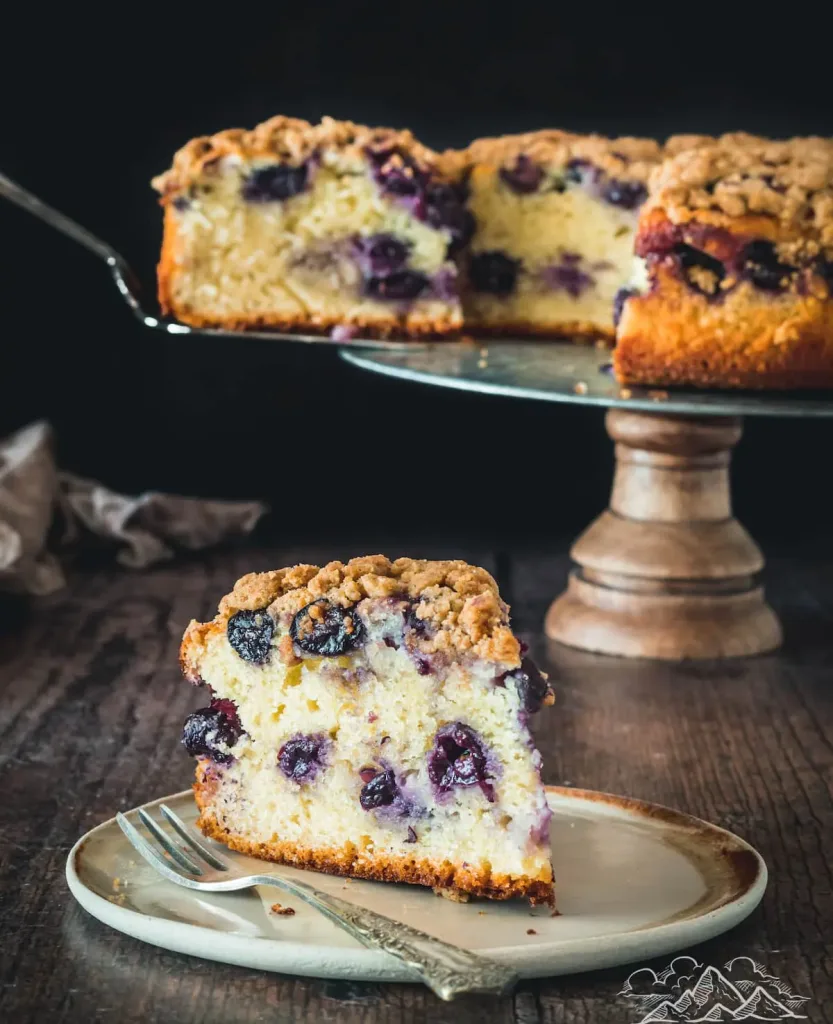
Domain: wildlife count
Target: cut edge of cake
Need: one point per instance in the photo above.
(555, 214)
(400, 753)
(294, 226)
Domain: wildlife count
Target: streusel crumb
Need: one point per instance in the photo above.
(739, 175)
(459, 601)
(624, 158)
(287, 140)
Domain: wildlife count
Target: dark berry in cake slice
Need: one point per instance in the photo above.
(619, 300)
(276, 182)
(760, 263)
(445, 286)
(702, 272)
(568, 276)
(379, 790)
(445, 207)
(397, 173)
(415, 629)
(413, 625)
(327, 630)
(523, 176)
(494, 273)
(533, 688)
(441, 204)
(458, 759)
(207, 730)
(627, 194)
(825, 270)
(229, 709)
(382, 254)
(403, 285)
(577, 171)
(250, 634)
(301, 757)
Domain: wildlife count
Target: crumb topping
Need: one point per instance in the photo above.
(675, 144)
(287, 140)
(460, 602)
(624, 158)
(790, 182)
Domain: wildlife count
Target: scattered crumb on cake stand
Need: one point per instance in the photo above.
(665, 571)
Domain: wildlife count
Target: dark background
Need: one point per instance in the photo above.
(95, 104)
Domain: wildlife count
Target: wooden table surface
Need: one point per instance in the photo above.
(91, 706)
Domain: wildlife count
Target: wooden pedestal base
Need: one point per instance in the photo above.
(666, 572)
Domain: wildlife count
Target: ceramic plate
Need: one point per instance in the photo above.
(633, 881)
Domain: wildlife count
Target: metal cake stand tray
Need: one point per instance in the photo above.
(665, 571)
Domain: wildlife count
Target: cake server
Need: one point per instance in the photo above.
(449, 971)
(130, 288)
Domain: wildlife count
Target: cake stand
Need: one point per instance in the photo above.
(666, 571)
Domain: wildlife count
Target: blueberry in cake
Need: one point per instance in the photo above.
(737, 238)
(371, 719)
(314, 227)
(555, 217)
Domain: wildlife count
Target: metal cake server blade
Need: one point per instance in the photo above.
(131, 291)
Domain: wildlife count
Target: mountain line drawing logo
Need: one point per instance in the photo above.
(686, 990)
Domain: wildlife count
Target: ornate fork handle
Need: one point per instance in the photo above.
(447, 970)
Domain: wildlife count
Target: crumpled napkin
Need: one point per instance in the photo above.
(35, 498)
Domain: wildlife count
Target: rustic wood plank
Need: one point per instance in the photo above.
(746, 744)
(90, 708)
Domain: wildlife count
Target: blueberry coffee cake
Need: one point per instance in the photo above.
(314, 227)
(555, 217)
(371, 719)
(737, 237)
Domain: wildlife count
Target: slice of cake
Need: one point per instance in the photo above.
(312, 227)
(371, 719)
(738, 241)
(555, 217)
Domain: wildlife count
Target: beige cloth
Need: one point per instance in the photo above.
(43, 511)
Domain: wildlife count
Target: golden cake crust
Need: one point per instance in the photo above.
(626, 158)
(347, 861)
(411, 325)
(580, 330)
(288, 140)
(459, 600)
(674, 336)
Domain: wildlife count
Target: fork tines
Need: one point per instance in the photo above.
(178, 861)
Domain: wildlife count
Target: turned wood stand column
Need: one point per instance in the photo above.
(666, 571)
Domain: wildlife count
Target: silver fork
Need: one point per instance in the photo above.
(447, 970)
